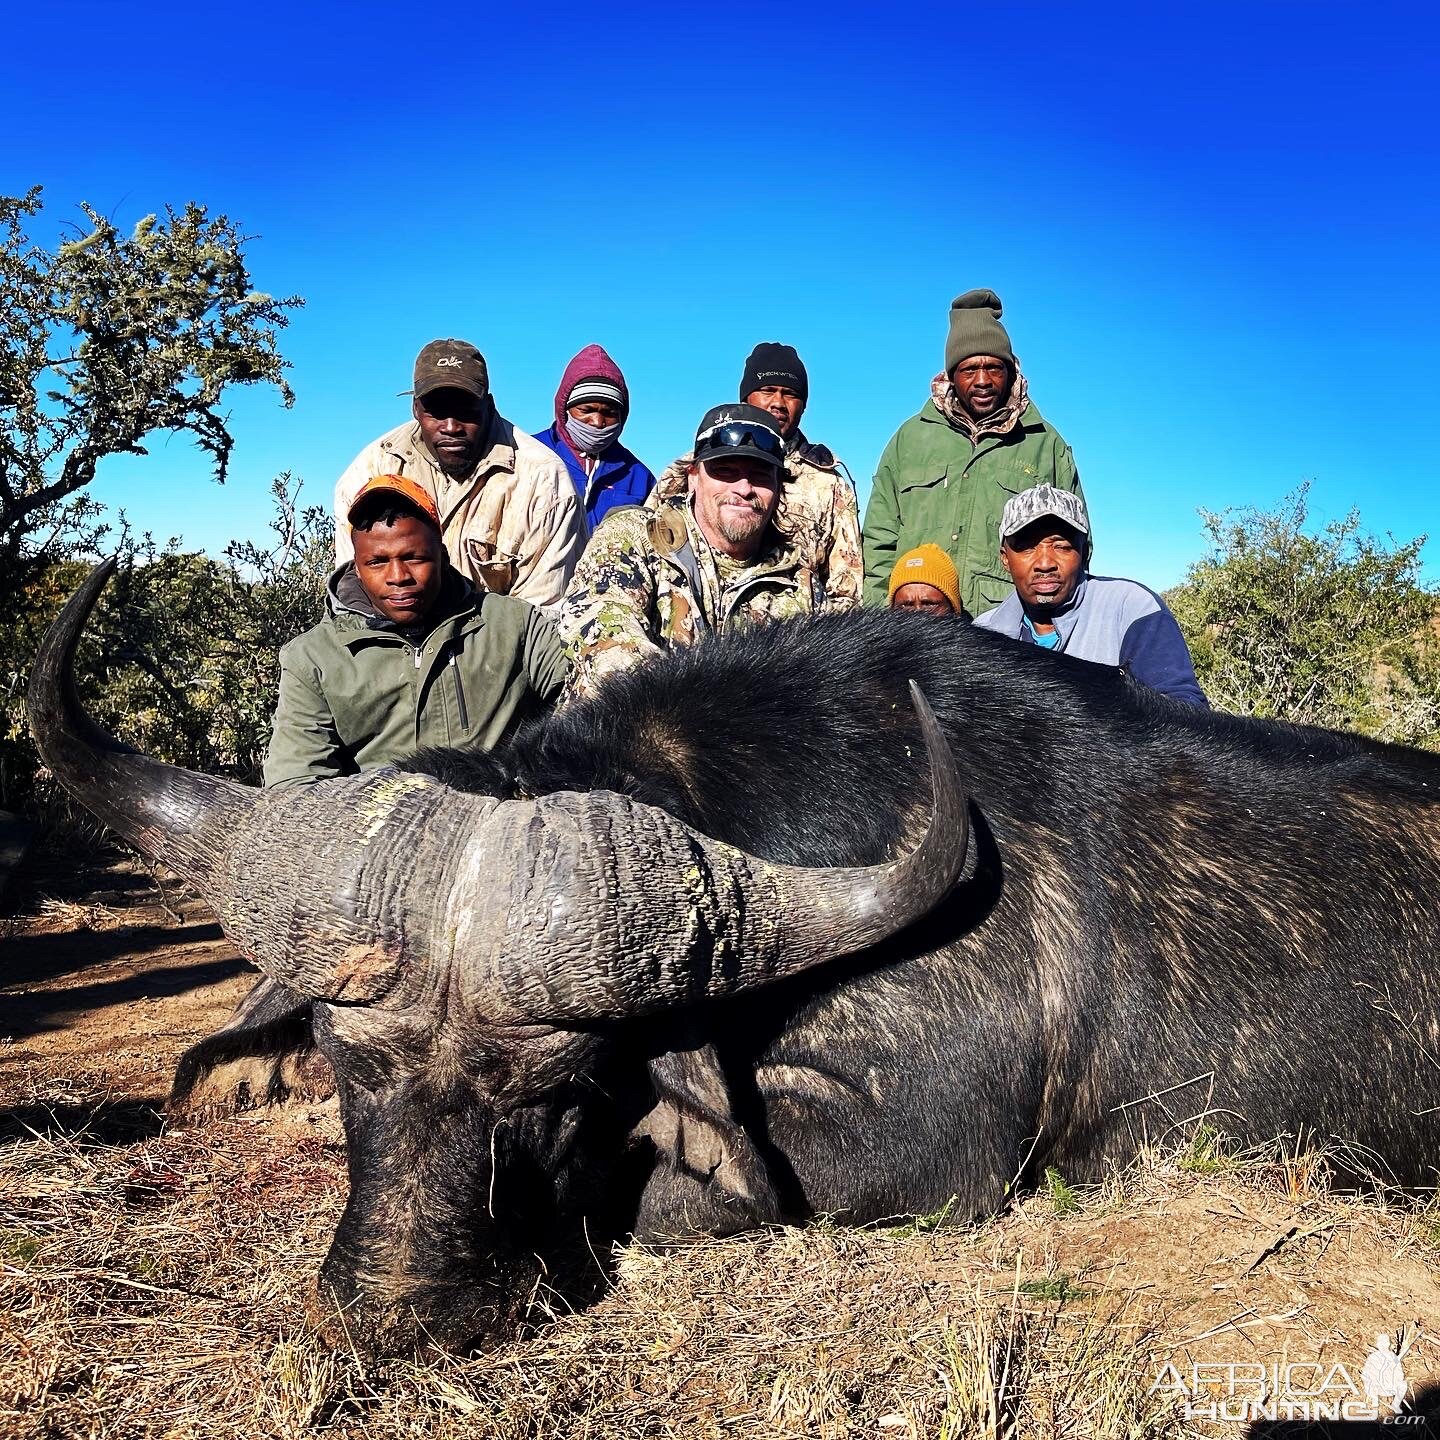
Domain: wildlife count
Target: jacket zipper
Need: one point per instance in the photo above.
(730, 603)
(459, 695)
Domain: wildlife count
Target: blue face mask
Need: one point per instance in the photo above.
(593, 440)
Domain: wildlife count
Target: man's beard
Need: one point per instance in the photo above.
(738, 527)
(455, 468)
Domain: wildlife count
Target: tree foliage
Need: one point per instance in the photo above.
(1328, 626)
(107, 339)
(179, 659)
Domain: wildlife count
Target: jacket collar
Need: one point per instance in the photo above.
(350, 609)
(1013, 614)
(1031, 420)
(498, 453)
(820, 456)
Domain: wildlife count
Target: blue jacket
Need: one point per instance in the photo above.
(619, 478)
(1116, 622)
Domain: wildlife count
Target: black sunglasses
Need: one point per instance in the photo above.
(738, 434)
(451, 404)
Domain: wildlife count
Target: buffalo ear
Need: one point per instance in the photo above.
(263, 1055)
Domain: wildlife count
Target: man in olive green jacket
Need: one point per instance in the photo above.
(409, 655)
(947, 472)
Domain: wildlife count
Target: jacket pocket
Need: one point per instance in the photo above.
(929, 509)
(494, 568)
(933, 477)
(1013, 479)
(991, 590)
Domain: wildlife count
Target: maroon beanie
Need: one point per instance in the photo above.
(592, 363)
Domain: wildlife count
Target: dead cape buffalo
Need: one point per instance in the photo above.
(655, 967)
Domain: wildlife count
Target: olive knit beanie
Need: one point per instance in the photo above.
(975, 329)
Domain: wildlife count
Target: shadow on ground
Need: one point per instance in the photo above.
(39, 1010)
(109, 1122)
(31, 958)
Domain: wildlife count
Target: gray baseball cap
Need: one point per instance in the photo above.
(1041, 500)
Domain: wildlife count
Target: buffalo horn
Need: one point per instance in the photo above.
(177, 817)
(615, 908)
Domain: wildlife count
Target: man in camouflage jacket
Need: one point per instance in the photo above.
(818, 511)
(702, 562)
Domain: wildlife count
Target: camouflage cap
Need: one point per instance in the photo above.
(451, 365)
(1041, 500)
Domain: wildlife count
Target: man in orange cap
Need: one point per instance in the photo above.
(409, 654)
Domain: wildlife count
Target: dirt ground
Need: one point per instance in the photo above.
(153, 1280)
(105, 981)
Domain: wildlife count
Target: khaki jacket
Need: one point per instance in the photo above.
(356, 692)
(649, 580)
(513, 527)
(818, 511)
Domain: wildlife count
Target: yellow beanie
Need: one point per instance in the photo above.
(928, 565)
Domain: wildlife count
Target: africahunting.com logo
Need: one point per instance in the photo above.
(1313, 1390)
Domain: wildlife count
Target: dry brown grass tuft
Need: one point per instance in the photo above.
(67, 915)
(156, 1288)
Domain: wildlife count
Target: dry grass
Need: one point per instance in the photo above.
(155, 1287)
(66, 915)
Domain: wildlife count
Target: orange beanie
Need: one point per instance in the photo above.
(928, 565)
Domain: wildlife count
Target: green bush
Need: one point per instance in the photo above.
(105, 339)
(1330, 627)
(179, 659)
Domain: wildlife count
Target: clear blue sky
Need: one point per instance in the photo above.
(1214, 227)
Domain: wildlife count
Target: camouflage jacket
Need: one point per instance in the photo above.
(818, 511)
(649, 580)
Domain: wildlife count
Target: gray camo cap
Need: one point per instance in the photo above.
(1030, 505)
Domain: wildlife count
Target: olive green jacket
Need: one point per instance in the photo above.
(356, 692)
(933, 484)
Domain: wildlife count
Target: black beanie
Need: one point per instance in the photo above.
(772, 363)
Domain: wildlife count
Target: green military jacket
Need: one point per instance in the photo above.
(933, 484)
(356, 692)
(648, 581)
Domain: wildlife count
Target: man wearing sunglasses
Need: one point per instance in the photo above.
(702, 562)
(511, 520)
(818, 510)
